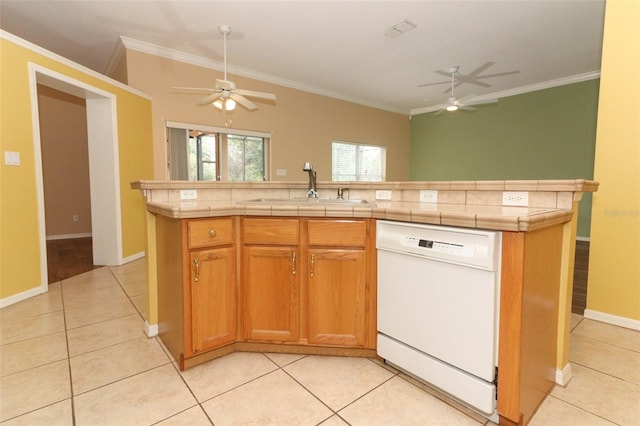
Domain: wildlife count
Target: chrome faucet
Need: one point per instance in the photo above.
(308, 167)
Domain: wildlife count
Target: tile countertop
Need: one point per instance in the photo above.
(465, 204)
(469, 216)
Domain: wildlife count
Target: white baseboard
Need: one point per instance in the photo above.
(151, 330)
(21, 296)
(68, 236)
(612, 319)
(563, 377)
(133, 257)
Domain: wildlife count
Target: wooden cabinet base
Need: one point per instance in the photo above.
(508, 422)
(274, 348)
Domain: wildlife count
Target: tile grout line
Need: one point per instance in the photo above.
(66, 338)
(126, 294)
(605, 373)
(581, 409)
(604, 342)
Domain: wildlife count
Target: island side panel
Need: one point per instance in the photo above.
(541, 295)
(529, 300)
(170, 288)
(510, 334)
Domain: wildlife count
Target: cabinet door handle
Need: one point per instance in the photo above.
(313, 262)
(197, 276)
(212, 233)
(293, 263)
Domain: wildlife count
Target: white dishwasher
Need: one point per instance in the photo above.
(438, 307)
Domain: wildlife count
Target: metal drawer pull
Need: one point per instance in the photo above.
(212, 233)
(197, 277)
(293, 263)
(313, 261)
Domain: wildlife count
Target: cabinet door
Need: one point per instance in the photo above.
(337, 291)
(213, 298)
(270, 293)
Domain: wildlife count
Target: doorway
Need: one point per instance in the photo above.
(102, 148)
(65, 174)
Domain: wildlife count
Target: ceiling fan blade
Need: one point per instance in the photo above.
(203, 90)
(254, 94)
(474, 74)
(464, 99)
(209, 99)
(434, 84)
(440, 111)
(243, 101)
(470, 80)
(481, 102)
(444, 73)
(467, 108)
(498, 74)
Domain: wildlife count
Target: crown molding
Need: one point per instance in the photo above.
(117, 54)
(175, 55)
(153, 49)
(64, 61)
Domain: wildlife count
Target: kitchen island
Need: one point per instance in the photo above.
(269, 225)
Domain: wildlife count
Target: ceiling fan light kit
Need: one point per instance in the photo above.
(227, 105)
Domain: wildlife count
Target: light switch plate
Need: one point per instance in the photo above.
(11, 158)
(188, 194)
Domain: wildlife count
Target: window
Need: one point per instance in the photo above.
(202, 150)
(353, 162)
(209, 153)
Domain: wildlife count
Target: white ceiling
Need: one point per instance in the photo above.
(337, 48)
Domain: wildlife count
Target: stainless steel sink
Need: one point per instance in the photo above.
(306, 201)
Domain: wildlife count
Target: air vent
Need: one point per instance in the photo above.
(399, 29)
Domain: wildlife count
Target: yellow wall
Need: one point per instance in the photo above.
(19, 237)
(614, 262)
(302, 124)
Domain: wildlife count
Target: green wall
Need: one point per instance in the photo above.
(547, 134)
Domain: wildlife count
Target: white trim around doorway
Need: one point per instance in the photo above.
(103, 166)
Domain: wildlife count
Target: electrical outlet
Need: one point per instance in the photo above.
(281, 172)
(513, 198)
(428, 196)
(188, 194)
(383, 195)
(76, 218)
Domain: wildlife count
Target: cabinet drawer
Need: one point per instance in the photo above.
(210, 232)
(271, 231)
(337, 233)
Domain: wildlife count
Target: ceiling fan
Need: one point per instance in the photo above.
(465, 103)
(225, 94)
(474, 77)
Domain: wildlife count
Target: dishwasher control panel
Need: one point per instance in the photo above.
(463, 246)
(467, 250)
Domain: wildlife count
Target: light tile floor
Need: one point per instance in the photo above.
(77, 355)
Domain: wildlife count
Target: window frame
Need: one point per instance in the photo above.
(221, 146)
(358, 160)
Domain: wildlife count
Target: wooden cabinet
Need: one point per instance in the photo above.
(270, 284)
(197, 292)
(304, 285)
(337, 282)
(213, 298)
(309, 281)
